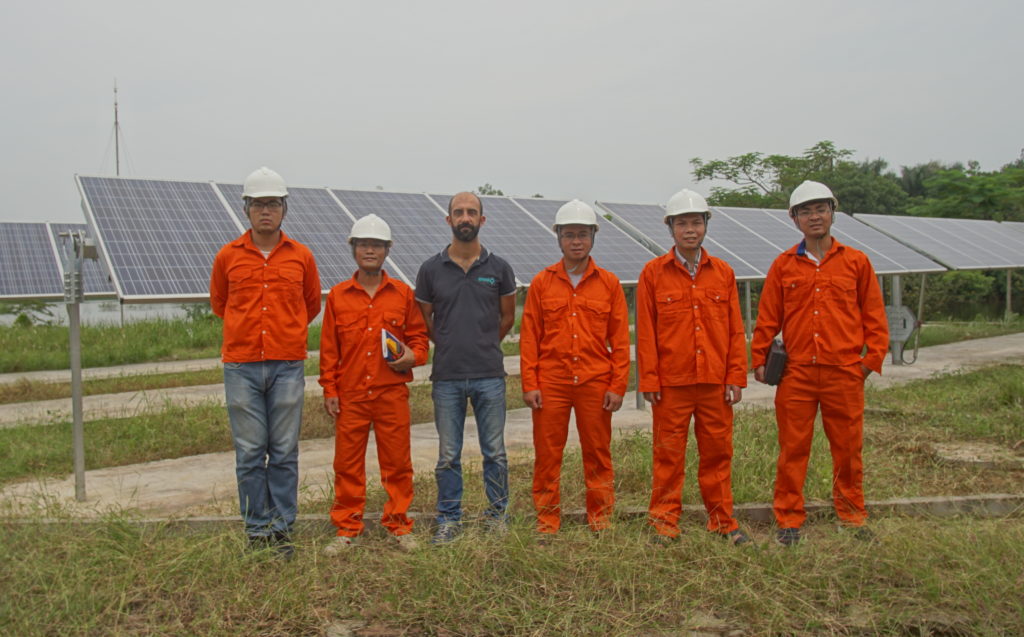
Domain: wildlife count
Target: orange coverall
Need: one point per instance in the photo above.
(828, 314)
(352, 368)
(574, 347)
(261, 323)
(690, 344)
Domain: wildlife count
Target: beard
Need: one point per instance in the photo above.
(466, 232)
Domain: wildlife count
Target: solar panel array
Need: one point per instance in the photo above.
(750, 239)
(418, 228)
(319, 223)
(960, 244)
(614, 250)
(1015, 225)
(158, 237)
(28, 267)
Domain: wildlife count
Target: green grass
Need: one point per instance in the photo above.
(24, 390)
(923, 576)
(954, 577)
(953, 332)
(38, 347)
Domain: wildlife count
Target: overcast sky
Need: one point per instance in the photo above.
(591, 99)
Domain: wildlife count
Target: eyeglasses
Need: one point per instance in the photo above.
(369, 243)
(572, 236)
(273, 206)
(805, 213)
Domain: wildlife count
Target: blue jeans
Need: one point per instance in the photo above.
(265, 409)
(488, 398)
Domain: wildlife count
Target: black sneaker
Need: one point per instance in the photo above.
(258, 542)
(736, 537)
(862, 533)
(446, 533)
(787, 537)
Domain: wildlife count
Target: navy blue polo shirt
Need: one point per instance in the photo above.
(467, 314)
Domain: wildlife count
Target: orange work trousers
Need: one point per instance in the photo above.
(389, 415)
(550, 432)
(839, 391)
(712, 427)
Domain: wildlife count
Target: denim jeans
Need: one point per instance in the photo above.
(487, 396)
(265, 410)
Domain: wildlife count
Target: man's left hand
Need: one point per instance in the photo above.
(612, 401)
(405, 362)
(733, 394)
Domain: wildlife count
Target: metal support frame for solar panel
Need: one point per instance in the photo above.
(95, 281)
(28, 265)
(515, 235)
(158, 238)
(614, 249)
(318, 220)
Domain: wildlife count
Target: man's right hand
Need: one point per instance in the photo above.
(652, 397)
(759, 374)
(331, 406)
(532, 399)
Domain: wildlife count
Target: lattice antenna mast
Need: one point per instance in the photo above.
(117, 136)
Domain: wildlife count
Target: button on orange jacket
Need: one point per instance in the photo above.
(352, 363)
(566, 332)
(689, 330)
(827, 313)
(267, 303)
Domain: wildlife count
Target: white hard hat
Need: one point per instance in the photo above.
(686, 201)
(370, 227)
(811, 191)
(264, 183)
(575, 212)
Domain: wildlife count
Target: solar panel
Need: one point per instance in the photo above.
(314, 219)
(614, 250)
(1015, 225)
(887, 255)
(649, 221)
(95, 282)
(28, 268)
(418, 228)
(515, 236)
(158, 238)
(960, 244)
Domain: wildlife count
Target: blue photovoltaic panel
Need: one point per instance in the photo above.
(779, 233)
(418, 227)
(649, 221)
(28, 268)
(157, 237)
(514, 236)
(614, 250)
(959, 244)
(315, 220)
(95, 282)
(887, 255)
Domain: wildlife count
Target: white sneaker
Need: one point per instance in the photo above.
(407, 542)
(338, 545)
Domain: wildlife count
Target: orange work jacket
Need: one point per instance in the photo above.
(352, 363)
(267, 303)
(689, 329)
(572, 335)
(827, 313)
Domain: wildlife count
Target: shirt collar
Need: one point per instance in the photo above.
(245, 241)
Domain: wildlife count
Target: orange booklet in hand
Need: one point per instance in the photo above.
(391, 347)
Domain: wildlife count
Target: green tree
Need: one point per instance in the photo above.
(766, 180)
(488, 189)
(973, 194)
(30, 312)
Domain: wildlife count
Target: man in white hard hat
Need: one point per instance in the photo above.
(366, 384)
(825, 299)
(692, 362)
(265, 286)
(574, 356)
(468, 297)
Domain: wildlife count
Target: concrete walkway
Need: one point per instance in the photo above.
(205, 485)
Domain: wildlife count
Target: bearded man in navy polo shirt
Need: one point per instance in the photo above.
(467, 296)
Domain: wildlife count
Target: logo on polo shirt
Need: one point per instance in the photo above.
(489, 280)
